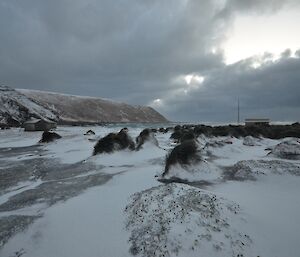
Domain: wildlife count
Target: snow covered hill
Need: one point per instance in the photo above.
(92, 109)
(15, 108)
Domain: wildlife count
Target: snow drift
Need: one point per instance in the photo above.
(180, 220)
(288, 149)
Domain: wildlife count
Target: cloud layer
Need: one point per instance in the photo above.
(265, 88)
(140, 51)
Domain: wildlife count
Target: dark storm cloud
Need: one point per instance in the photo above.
(134, 51)
(257, 6)
(109, 47)
(271, 90)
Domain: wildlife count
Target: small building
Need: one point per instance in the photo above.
(38, 125)
(255, 122)
(4, 126)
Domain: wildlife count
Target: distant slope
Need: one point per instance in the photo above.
(73, 109)
(15, 108)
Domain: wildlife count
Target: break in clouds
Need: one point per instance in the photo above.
(161, 53)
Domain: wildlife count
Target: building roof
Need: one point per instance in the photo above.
(34, 121)
(257, 120)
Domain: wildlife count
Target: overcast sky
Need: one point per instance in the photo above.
(189, 59)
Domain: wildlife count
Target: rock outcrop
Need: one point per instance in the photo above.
(15, 108)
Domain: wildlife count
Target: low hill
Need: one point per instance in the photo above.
(82, 109)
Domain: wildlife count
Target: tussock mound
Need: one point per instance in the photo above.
(176, 135)
(89, 132)
(188, 135)
(106, 144)
(113, 141)
(182, 134)
(48, 136)
(177, 128)
(163, 130)
(124, 140)
(145, 136)
(184, 154)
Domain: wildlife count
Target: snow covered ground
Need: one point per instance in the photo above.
(57, 199)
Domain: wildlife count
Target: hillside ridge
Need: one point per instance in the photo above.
(86, 109)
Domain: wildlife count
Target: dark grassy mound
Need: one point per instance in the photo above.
(124, 140)
(183, 154)
(162, 130)
(168, 129)
(105, 144)
(48, 136)
(202, 129)
(183, 134)
(89, 132)
(188, 135)
(113, 141)
(177, 128)
(176, 135)
(267, 131)
(144, 136)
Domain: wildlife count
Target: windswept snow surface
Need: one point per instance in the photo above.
(57, 199)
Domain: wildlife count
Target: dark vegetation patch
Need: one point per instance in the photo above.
(162, 130)
(187, 135)
(89, 132)
(4, 126)
(183, 154)
(176, 135)
(267, 131)
(105, 144)
(114, 141)
(177, 128)
(200, 184)
(182, 134)
(144, 136)
(48, 136)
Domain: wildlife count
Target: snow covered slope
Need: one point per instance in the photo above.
(92, 109)
(15, 108)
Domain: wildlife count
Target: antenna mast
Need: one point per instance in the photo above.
(238, 111)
